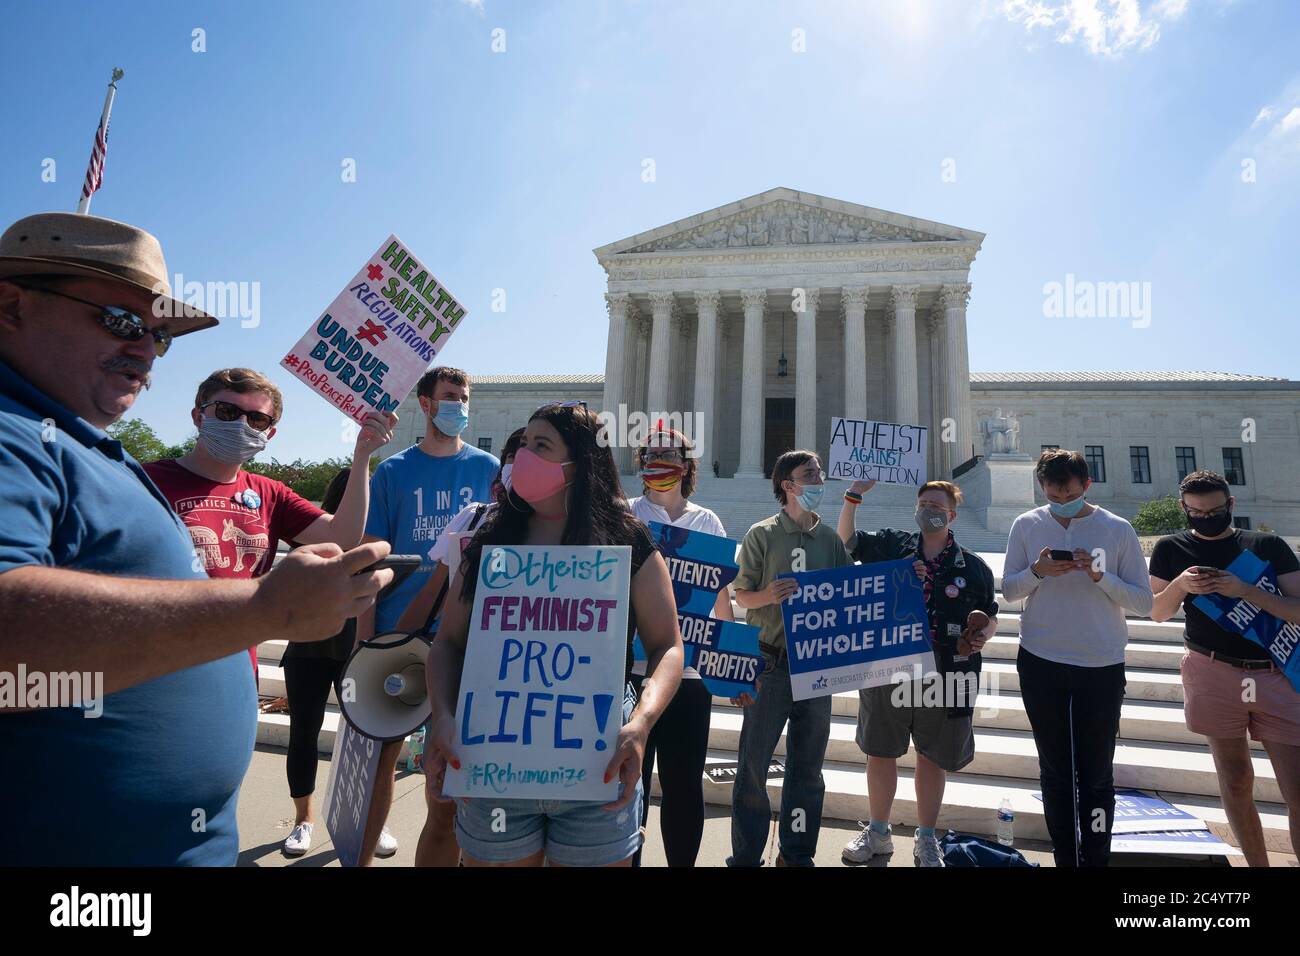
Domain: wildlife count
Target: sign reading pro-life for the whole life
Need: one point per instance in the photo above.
(370, 346)
(877, 451)
(541, 693)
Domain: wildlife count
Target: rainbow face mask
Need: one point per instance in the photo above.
(661, 475)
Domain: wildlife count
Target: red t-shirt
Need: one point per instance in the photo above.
(235, 525)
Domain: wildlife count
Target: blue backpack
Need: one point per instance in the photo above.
(962, 849)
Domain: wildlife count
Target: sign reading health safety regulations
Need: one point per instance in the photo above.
(542, 690)
(370, 346)
(724, 653)
(877, 451)
(854, 627)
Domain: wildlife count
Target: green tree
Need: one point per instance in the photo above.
(1160, 516)
(139, 439)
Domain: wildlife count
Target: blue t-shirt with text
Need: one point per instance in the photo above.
(413, 496)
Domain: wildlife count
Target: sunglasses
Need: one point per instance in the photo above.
(573, 404)
(228, 412)
(123, 323)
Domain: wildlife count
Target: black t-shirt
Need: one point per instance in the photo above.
(1176, 553)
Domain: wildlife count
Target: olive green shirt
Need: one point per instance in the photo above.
(768, 552)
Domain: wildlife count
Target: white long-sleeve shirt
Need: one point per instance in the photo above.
(1071, 619)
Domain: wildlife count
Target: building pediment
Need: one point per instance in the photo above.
(784, 218)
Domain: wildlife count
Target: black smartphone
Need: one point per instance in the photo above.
(403, 566)
(1058, 555)
(1201, 569)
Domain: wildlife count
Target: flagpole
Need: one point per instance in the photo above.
(83, 207)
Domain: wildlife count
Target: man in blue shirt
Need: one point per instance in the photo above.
(413, 495)
(100, 587)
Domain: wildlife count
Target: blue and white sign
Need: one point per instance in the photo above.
(541, 692)
(349, 789)
(725, 653)
(854, 627)
(1280, 638)
(1177, 842)
(1137, 812)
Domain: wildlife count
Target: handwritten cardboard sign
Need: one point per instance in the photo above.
(370, 346)
(542, 688)
(854, 627)
(878, 451)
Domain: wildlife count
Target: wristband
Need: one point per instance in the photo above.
(855, 498)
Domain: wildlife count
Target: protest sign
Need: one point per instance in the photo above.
(370, 346)
(724, 772)
(1280, 638)
(1137, 812)
(854, 627)
(725, 653)
(539, 709)
(1176, 842)
(877, 451)
(349, 789)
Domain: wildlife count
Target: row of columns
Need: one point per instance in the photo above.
(629, 367)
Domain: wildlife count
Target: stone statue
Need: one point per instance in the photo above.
(758, 232)
(799, 228)
(739, 234)
(1001, 433)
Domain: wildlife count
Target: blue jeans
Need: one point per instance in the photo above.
(803, 789)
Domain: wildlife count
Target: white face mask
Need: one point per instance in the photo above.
(505, 476)
(231, 443)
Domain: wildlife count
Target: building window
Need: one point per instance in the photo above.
(1096, 456)
(1241, 521)
(1234, 468)
(1186, 456)
(1139, 460)
(485, 444)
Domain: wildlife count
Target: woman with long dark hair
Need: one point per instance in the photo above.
(564, 490)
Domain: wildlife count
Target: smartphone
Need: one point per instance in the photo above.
(1201, 569)
(1058, 555)
(402, 565)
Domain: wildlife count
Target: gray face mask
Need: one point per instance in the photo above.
(231, 443)
(930, 520)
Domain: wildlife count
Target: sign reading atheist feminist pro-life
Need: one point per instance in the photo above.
(700, 565)
(370, 346)
(1280, 638)
(877, 451)
(854, 627)
(349, 790)
(540, 699)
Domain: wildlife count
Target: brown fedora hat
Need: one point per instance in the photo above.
(66, 243)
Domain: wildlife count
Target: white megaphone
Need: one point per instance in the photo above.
(383, 691)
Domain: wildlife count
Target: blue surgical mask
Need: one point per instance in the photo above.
(810, 498)
(1069, 509)
(452, 417)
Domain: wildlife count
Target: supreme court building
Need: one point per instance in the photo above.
(765, 317)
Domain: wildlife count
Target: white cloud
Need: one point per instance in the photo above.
(1289, 122)
(1104, 27)
(1263, 116)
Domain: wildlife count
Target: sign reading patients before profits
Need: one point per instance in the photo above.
(877, 451)
(370, 346)
(541, 694)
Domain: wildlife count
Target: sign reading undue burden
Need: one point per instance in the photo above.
(542, 688)
(877, 451)
(854, 627)
(370, 346)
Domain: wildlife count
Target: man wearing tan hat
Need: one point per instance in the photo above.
(100, 586)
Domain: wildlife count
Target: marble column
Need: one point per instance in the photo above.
(751, 388)
(954, 299)
(805, 371)
(706, 374)
(942, 457)
(633, 376)
(855, 351)
(903, 299)
(618, 304)
(662, 305)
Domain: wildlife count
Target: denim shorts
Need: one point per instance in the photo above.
(571, 832)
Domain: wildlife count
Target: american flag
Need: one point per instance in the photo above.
(95, 171)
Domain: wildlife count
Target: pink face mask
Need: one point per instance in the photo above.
(534, 479)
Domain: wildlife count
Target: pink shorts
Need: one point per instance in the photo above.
(1213, 702)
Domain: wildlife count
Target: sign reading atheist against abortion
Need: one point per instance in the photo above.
(877, 451)
(373, 342)
(700, 565)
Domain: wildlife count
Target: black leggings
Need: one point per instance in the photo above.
(307, 683)
(680, 742)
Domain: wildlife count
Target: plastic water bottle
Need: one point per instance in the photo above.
(1006, 823)
(415, 759)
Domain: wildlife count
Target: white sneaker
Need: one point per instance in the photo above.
(868, 844)
(299, 841)
(926, 852)
(387, 844)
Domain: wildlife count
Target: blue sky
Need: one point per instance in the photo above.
(1103, 138)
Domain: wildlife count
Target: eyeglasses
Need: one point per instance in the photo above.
(809, 478)
(120, 322)
(228, 412)
(1216, 513)
(663, 454)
